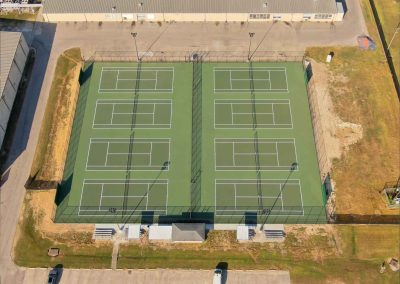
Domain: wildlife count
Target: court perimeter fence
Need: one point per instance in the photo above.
(204, 214)
(189, 56)
(67, 213)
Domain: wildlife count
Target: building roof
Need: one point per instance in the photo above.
(189, 6)
(185, 232)
(8, 46)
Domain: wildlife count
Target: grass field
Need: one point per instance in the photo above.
(149, 142)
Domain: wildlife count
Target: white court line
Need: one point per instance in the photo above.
(273, 114)
(108, 146)
(145, 69)
(281, 193)
(112, 113)
(250, 80)
(230, 79)
(155, 87)
(135, 79)
(151, 149)
(287, 84)
(116, 82)
(247, 68)
(147, 197)
(277, 153)
(154, 111)
(101, 196)
(232, 113)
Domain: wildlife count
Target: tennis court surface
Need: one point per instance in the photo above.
(150, 145)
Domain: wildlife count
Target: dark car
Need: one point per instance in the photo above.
(53, 275)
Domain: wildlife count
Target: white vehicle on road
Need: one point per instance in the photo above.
(217, 276)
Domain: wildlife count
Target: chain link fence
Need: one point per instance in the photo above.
(189, 56)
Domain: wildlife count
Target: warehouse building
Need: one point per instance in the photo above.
(13, 55)
(193, 10)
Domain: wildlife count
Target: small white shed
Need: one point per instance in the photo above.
(133, 232)
(160, 233)
(242, 233)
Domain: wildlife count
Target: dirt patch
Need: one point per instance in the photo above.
(338, 135)
(43, 206)
(317, 241)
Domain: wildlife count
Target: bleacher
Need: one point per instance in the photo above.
(103, 233)
(274, 234)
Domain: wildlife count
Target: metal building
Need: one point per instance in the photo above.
(193, 10)
(13, 55)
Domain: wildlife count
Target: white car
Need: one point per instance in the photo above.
(217, 276)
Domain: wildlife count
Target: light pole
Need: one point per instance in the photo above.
(293, 167)
(394, 35)
(137, 52)
(251, 35)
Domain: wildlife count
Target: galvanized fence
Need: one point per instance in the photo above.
(189, 56)
(206, 214)
(318, 130)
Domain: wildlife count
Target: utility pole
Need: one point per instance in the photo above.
(137, 52)
(251, 37)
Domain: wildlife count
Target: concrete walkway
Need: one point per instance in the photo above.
(113, 37)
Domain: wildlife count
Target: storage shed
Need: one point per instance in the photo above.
(193, 10)
(13, 55)
(188, 232)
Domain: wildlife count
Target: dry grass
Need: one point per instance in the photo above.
(376, 242)
(77, 249)
(389, 15)
(362, 92)
(54, 136)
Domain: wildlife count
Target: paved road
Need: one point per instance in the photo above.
(34, 276)
(115, 36)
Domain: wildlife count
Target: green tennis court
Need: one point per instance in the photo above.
(131, 154)
(153, 141)
(234, 197)
(112, 114)
(245, 79)
(239, 114)
(240, 154)
(124, 79)
(107, 197)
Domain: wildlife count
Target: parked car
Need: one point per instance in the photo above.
(53, 275)
(217, 276)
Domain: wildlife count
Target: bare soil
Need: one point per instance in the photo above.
(338, 135)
